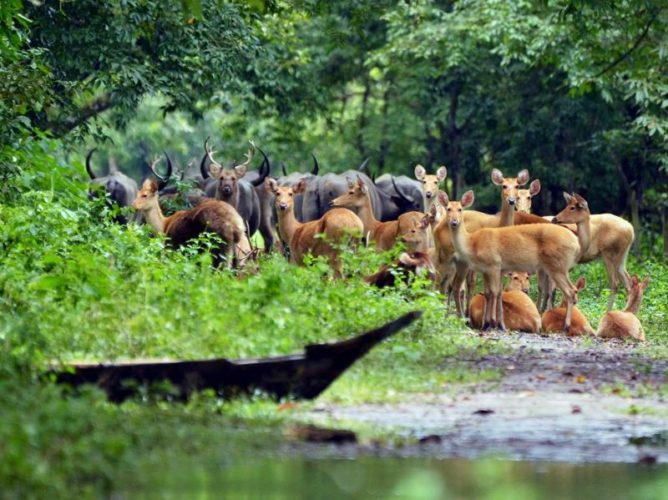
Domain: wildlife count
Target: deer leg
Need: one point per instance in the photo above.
(564, 284)
(497, 305)
(470, 288)
(613, 281)
(457, 282)
(487, 313)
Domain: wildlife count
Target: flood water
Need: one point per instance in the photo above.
(412, 478)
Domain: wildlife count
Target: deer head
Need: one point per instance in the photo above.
(510, 185)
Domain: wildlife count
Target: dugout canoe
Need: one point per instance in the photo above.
(297, 376)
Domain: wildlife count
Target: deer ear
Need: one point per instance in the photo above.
(534, 187)
(241, 170)
(497, 177)
(581, 283)
(350, 182)
(581, 201)
(270, 184)
(645, 282)
(441, 173)
(300, 187)
(442, 198)
(215, 169)
(420, 172)
(522, 177)
(467, 199)
(150, 184)
(433, 210)
(567, 197)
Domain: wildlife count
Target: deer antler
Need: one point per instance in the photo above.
(249, 155)
(209, 152)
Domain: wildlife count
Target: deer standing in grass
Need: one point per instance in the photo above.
(519, 312)
(601, 236)
(529, 248)
(210, 216)
(625, 324)
(319, 237)
(553, 319)
(444, 251)
(384, 234)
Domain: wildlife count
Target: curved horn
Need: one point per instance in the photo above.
(364, 166)
(88, 167)
(202, 166)
(401, 195)
(162, 181)
(265, 169)
(170, 167)
(284, 169)
(316, 167)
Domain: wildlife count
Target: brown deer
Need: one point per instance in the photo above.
(625, 324)
(431, 186)
(519, 312)
(407, 265)
(524, 197)
(384, 234)
(601, 236)
(210, 216)
(444, 251)
(319, 237)
(530, 248)
(553, 319)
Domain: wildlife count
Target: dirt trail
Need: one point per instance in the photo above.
(559, 399)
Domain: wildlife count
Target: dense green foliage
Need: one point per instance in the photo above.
(575, 91)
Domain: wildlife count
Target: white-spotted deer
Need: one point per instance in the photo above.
(210, 216)
(625, 324)
(384, 234)
(319, 237)
(529, 248)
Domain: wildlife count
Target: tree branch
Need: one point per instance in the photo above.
(90, 110)
(626, 54)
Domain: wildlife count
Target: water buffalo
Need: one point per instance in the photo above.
(120, 189)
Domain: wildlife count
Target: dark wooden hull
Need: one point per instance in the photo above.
(300, 376)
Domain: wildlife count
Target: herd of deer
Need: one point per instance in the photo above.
(320, 215)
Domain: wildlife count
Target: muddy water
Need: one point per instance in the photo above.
(558, 400)
(418, 478)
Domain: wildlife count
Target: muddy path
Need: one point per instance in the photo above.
(558, 399)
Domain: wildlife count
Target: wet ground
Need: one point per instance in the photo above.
(559, 399)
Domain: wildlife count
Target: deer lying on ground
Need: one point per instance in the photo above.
(625, 324)
(553, 319)
(319, 237)
(601, 236)
(384, 234)
(431, 187)
(529, 248)
(210, 216)
(519, 311)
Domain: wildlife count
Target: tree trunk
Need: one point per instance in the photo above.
(363, 119)
(384, 140)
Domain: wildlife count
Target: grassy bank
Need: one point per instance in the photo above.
(74, 285)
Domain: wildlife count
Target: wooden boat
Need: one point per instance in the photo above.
(300, 376)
